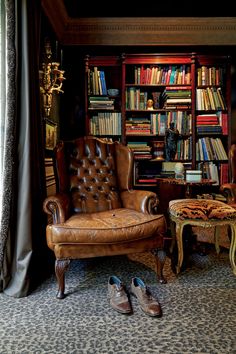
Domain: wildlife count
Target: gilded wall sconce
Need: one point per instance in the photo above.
(50, 78)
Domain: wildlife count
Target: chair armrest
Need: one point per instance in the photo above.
(140, 200)
(58, 206)
(229, 191)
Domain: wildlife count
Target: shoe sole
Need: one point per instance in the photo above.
(122, 312)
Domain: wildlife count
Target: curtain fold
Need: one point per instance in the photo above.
(25, 254)
(7, 118)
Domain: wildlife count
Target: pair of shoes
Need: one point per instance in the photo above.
(118, 296)
(119, 299)
(147, 302)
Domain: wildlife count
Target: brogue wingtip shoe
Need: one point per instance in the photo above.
(118, 296)
(147, 302)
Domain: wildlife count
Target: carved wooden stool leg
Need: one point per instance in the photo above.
(173, 236)
(61, 266)
(179, 240)
(233, 248)
(160, 257)
(216, 236)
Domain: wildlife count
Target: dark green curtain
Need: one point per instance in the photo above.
(26, 259)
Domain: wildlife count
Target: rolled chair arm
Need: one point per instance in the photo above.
(140, 200)
(58, 206)
(229, 191)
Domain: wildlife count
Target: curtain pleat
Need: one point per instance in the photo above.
(25, 257)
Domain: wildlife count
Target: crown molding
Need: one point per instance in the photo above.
(139, 31)
(151, 31)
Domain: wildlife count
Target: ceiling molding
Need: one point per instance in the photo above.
(151, 31)
(136, 31)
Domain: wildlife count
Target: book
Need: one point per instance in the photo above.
(221, 98)
(224, 173)
(224, 123)
(48, 166)
(147, 180)
(103, 82)
(51, 189)
(95, 79)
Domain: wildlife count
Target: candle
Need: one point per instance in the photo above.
(56, 50)
(61, 57)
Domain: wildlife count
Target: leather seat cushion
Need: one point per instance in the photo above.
(112, 226)
(204, 209)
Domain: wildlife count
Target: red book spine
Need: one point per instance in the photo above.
(224, 173)
(224, 124)
(147, 180)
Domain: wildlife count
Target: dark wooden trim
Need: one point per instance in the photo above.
(57, 15)
(139, 31)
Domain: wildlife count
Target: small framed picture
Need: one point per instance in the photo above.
(50, 135)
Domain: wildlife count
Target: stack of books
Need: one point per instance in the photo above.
(140, 150)
(177, 97)
(101, 102)
(50, 176)
(208, 124)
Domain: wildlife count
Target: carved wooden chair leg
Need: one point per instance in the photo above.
(160, 257)
(61, 266)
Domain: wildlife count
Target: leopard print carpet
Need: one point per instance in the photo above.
(199, 311)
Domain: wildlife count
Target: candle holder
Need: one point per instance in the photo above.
(50, 78)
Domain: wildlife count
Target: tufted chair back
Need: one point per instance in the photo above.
(94, 172)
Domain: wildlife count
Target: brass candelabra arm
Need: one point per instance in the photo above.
(51, 79)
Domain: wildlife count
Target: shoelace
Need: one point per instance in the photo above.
(147, 295)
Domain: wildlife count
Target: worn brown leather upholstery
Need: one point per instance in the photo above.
(96, 212)
(229, 189)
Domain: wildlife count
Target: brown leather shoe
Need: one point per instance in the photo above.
(119, 300)
(147, 302)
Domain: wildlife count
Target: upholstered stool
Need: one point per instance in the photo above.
(204, 213)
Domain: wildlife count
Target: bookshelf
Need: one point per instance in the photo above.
(166, 80)
(213, 116)
(190, 90)
(103, 99)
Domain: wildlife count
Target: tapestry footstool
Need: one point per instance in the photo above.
(204, 213)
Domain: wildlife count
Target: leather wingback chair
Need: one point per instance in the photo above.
(95, 211)
(229, 189)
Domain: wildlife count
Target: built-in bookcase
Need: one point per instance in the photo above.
(190, 90)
